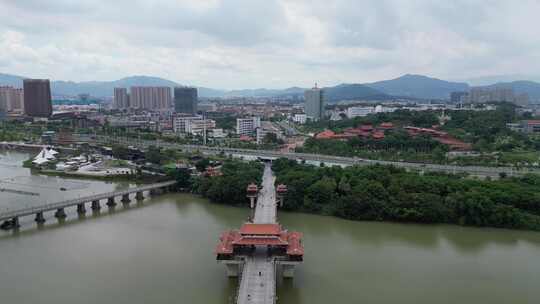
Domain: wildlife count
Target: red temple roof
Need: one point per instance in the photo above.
(327, 134)
(291, 240)
(262, 240)
(225, 245)
(245, 138)
(367, 128)
(295, 244)
(377, 135)
(260, 229)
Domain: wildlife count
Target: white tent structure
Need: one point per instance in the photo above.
(46, 155)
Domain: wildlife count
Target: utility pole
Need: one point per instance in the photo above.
(204, 130)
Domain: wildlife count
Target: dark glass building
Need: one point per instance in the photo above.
(37, 97)
(185, 100)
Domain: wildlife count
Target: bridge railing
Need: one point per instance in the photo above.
(80, 200)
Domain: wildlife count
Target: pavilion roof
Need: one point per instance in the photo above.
(260, 229)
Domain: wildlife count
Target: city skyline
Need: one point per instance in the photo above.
(344, 42)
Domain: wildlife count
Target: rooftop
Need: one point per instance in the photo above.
(260, 229)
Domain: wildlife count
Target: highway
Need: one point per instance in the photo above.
(327, 159)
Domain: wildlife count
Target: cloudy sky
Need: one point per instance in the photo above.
(268, 43)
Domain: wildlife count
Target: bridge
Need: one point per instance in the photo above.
(11, 217)
(261, 249)
(318, 158)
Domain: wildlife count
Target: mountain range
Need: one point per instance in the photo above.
(410, 86)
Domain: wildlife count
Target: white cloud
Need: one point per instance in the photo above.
(268, 43)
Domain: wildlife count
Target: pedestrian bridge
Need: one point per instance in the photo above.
(12, 216)
(262, 249)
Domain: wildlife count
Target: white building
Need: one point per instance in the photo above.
(247, 126)
(300, 118)
(207, 107)
(383, 109)
(217, 133)
(266, 128)
(353, 112)
(199, 126)
(11, 99)
(194, 125)
(180, 122)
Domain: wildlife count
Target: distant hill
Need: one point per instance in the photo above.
(11, 80)
(264, 92)
(104, 88)
(412, 86)
(352, 92)
(520, 87)
(489, 80)
(418, 86)
(333, 94)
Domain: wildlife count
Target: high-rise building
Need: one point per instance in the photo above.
(121, 99)
(496, 94)
(314, 103)
(16, 102)
(247, 126)
(5, 92)
(37, 97)
(458, 97)
(150, 98)
(185, 100)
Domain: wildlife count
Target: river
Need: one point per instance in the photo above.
(161, 251)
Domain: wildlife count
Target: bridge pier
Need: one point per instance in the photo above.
(139, 196)
(39, 218)
(60, 213)
(287, 269)
(95, 205)
(81, 208)
(15, 222)
(111, 202)
(125, 199)
(234, 268)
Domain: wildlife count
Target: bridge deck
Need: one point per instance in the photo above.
(265, 212)
(258, 281)
(72, 202)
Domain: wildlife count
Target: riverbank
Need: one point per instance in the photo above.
(104, 174)
(386, 193)
(135, 178)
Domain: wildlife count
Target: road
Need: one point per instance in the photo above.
(327, 159)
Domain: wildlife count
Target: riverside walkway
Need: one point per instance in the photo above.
(14, 215)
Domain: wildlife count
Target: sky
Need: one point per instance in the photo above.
(233, 44)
